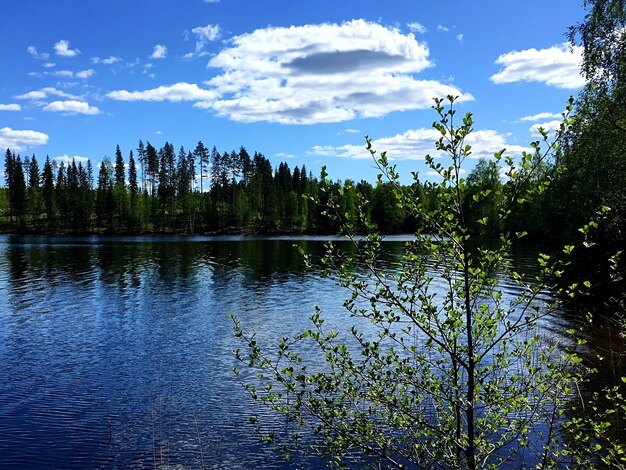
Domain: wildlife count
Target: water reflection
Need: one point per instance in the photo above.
(118, 351)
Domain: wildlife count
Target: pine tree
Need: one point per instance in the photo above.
(61, 193)
(73, 196)
(152, 162)
(133, 188)
(132, 175)
(202, 156)
(84, 201)
(104, 194)
(9, 163)
(246, 166)
(141, 156)
(48, 193)
(120, 171)
(34, 192)
(167, 188)
(17, 192)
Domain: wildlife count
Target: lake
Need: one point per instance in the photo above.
(117, 352)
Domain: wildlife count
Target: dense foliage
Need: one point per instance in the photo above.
(591, 171)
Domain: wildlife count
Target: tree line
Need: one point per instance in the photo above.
(161, 190)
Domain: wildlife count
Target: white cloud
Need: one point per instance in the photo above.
(158, 132)
(284, 155)
(177, 92)
(204, 35)
(540, 116)
(322, 73)
(48, 64)
(32, 50)
(459, 37)
(310, 74)
(107, 61)
(44, 93)
(415, 144)
(85, 73)
(353, 131)
(10, 107)
(211, 1)
(62, 48)
(67, 159)
(20, 140)
(550, 127)
(71, 107)
(558, 66)
(443, 29)
(32, 95)
(160, 52)
(62, 73)
(417, 27)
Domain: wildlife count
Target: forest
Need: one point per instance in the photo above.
(162, 191)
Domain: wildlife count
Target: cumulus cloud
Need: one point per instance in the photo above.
(353, 131)
(550, 127)
(20, 140)
(159, 52)
(540, 116)
(557, 66)
(443, 29)
(416, 143)
(48, 64)
(44, 93)
(417, 27)
(71, 107)
(10, 107)
(107, 61)
(177, 92)
(322, 73)
(310, 74)
(459, 37)
(62, 48)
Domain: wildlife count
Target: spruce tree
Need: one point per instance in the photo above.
(48, 193)
(34, 192)
(17, 192)
(119, 168)
(61, 193)
(134, 190)
(9, 163)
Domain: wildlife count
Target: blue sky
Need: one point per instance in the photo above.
(300, 82)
